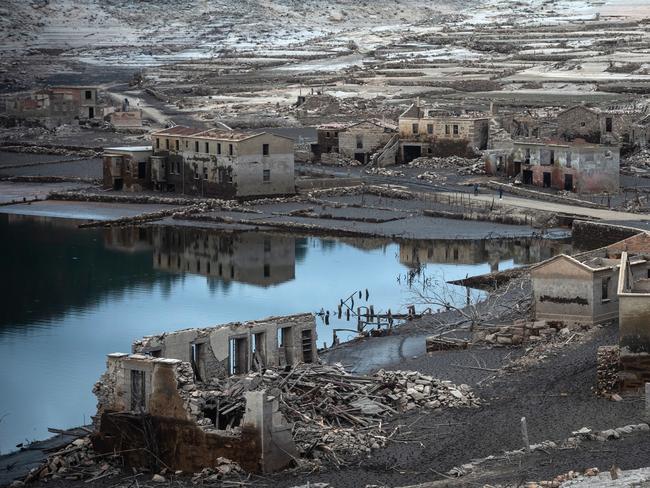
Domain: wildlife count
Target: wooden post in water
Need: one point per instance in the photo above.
(524, 434)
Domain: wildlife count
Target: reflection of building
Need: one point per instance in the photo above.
(253, 258)
(521, 251)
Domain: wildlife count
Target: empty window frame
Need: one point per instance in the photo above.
(265, 150)
(415, 128)
(429, 128)
(231, 150)
(456, 129)
(196, 146)
(266, 175)
(605, 289)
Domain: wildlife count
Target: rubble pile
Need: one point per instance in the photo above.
(449, 162)
(336, 159)
(387, 191)
(607, 361)
(335, 414)
(432, 177)
(474, 169)
(637, 163)
(384, 172)
(76, 461)
(523, 331)
(558, 480)
(224, 468)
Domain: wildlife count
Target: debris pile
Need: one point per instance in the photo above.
(607, 360)
(335, 414)
(384, 172)
(523, 331)
(76, 461)
(432, 177)
(336, 159)
(637, 163)
(558, 480)
(474, 169)
(449, 162)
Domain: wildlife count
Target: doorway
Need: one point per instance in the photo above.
(411, 152)
(118, 184)
(547, 179)
(528, 177)
(568, 182)
(91, 112)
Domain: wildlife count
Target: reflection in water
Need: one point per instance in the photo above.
(70, 296)
(414, 254)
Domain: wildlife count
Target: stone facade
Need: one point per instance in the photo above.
(360, 141)
(596, 126)
(578, 167)
(55, 106)
(240, 347)
(566, 289)
(327, 140)
(211, 163)
(127, 168)
(425, 131)
(145, 402)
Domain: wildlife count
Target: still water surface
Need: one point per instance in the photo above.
(70, 296)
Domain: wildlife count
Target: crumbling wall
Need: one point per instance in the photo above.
(167, 427)
(238, 347)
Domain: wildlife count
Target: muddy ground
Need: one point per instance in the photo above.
(556, 396)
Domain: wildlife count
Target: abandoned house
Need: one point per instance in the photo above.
(183, 418)
(634, 325)
(613, 126)
(579, 290)
(572, 166)
(327, 141)
(54, 106)
(238, 347)
(127, 168)
(641, 132)
(211, 163)
(362, 140)
(426, 131)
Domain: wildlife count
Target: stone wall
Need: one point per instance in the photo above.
(158, 420)
(590, 235)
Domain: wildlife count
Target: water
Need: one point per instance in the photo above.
(70, 296)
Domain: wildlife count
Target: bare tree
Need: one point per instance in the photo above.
(473, 307)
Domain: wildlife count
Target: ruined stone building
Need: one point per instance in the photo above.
(165, 401)
(211, 163)
(580, 290)
(634, 324)
(641, 132)
(327, 141)
(597, 126)
(361, 140)
(426, 131)
(157, 411)
(239, 347)
(54, 106)
(127, 168)
(572, 166)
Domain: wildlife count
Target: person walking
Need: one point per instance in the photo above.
(500, 193)
(475, 188)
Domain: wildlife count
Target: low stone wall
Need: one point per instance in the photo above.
(540, 195)
(590, 235)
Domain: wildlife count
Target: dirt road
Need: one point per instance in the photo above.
(592, 213)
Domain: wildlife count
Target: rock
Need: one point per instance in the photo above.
(157, 478)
